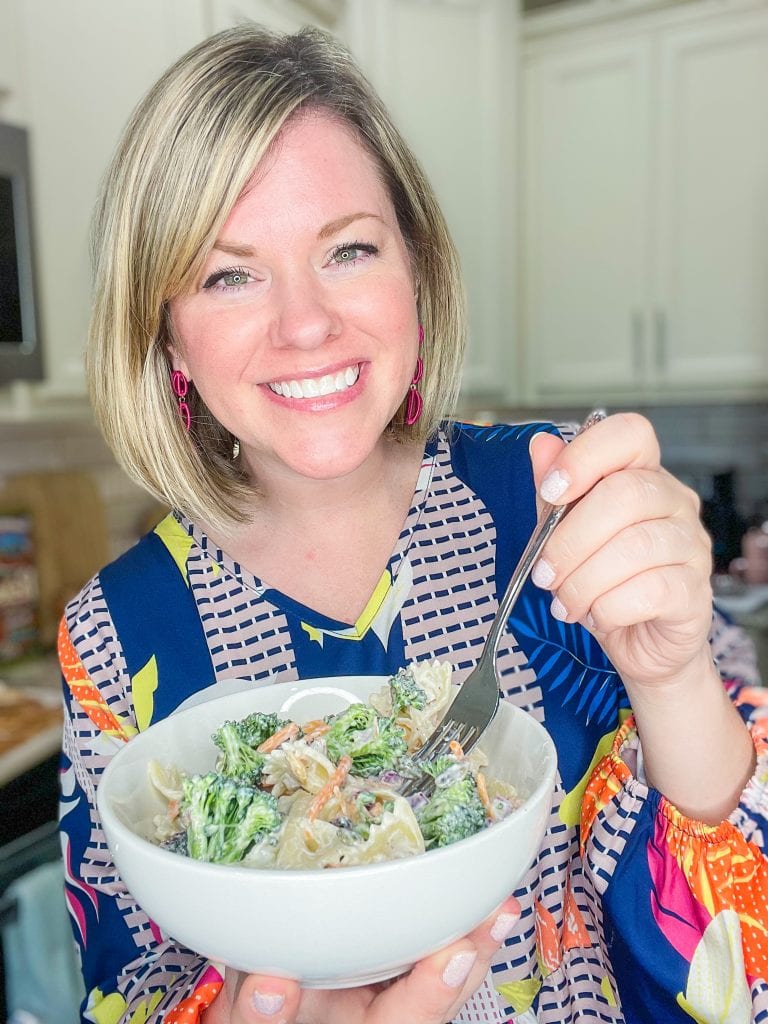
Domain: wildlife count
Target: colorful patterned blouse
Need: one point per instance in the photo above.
(631, 912)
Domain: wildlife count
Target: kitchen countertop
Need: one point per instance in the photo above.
(38, 679)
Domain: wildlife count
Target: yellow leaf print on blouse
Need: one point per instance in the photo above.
(177, 540)
(519, 994)
(717, 991)
(143, 686)
(379, 614)
(110, 1009)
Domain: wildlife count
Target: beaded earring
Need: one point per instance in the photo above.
(180, 386)
(415, 402)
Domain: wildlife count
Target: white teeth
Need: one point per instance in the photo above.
(312, 387)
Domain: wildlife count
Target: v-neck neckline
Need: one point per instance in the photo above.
(262, 589)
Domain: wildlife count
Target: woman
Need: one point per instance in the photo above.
(275, 348)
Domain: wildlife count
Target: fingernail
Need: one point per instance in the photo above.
(591, 624)
(554, 485)
(543, 575)
(267, 1003)
(503, 927)
(558, 609)
(458, 967)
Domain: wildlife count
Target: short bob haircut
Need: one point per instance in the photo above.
(186, 154)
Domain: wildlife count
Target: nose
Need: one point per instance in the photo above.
(305, 315)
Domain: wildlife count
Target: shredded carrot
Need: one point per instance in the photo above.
(336, 781)
(485, 800)
(456, 748)
(288, 732)
(315, 728)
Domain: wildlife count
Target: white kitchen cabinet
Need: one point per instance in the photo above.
(584, 214)
(645, 206)
(278, 15)
(447, 70)
(711, 257)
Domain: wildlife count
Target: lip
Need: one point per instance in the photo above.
(322, 403)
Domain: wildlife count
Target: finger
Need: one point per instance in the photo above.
(622, 441)
(438, 986)
(676, 595)
(614, 504)
(258, 999)
(544, 449)
(632, 552)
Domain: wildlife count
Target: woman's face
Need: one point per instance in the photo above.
(301, 333)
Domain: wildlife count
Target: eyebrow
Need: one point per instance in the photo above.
(247, 251)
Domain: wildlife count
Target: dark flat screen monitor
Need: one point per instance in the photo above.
(20, 352)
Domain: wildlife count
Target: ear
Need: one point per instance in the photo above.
(176, 359)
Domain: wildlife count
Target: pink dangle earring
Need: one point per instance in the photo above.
(180, 386)
(415, 402)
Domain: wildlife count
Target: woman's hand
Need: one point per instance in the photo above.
(431, 993)
(632, 562)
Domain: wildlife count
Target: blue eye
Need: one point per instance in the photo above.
(229, 279)
(352, 252)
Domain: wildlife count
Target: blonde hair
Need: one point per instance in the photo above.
(185, 156)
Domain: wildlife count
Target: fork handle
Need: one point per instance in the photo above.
(550, 517)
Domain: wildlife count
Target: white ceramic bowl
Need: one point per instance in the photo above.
(328, 929)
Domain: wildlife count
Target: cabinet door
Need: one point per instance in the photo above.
(585, 213)
(278, 15)
(447, 71)
(712, 259)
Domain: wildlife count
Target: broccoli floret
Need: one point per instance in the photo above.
(225, 817)
(438, 765)
(375, 744)
(238, 741)
(454, 812)
(405, 691)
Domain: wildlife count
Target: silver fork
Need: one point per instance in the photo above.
(475, 705)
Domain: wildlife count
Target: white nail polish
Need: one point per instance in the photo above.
(267, 1003)
(554, 486)
(558, 609)
(591, 624)
(543, 575)
(503, 927)
(458, 967)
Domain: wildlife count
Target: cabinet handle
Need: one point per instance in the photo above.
(660, 319)
(638, 339)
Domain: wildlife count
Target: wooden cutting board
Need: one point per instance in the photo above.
(70, 535)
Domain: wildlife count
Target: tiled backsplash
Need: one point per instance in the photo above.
(697, 441)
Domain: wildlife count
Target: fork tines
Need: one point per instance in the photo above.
(449, 731)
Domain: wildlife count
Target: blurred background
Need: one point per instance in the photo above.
(603, 165)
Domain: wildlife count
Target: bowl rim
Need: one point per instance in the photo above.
(282, 876)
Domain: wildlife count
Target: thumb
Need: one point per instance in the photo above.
(544, 449)
(257, 998)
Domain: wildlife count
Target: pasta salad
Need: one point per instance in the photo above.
(324, 793)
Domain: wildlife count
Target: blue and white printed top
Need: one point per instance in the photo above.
(631, 913)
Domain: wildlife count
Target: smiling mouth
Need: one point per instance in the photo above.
(316, 387)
